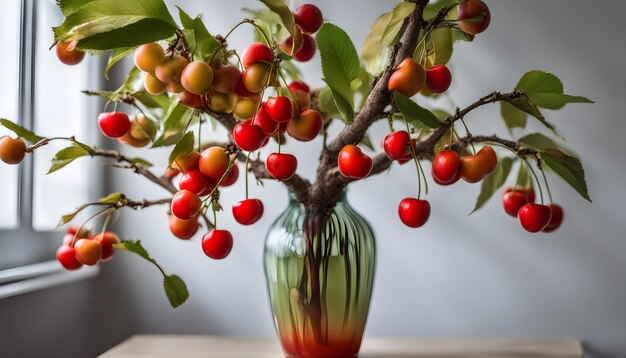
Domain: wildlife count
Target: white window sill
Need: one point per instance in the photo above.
(35, 277)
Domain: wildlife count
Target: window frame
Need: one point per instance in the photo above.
(16, 279)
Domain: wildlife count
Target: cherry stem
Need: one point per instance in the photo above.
(200, 134)
(97, 214)
(214, 216)
(469, 135)
(224, 176)
(279, 141)
(247, 163)
(545, 180)
(417, 164)
(536, 178)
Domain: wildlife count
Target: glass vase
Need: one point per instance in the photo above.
(320, 270)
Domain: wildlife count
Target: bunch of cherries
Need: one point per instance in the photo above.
(80, 248)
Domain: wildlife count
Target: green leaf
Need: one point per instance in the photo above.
(69, 217)
(142, 162)
(108, 95)
(286, 17)
(513, 117)
(203, 44)
(109, 24)
(523, 176)
(340, 66)
(567, 167)
(115, 56)
(20, 131)
(436, 49)
(493, 182)
(373, 53)
(367, 142)
(523, 103)
(396, 20)
(67, 155)
(433, 8)
(174, 122)
(112, 198)
(175, 288)
(537, 141)
(414, 113)
(326, 104)
(183, 147)
(161, 101)
(546, 90)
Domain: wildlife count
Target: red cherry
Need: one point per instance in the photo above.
(308, 49)
(107, 240)
(248, 137)
(438, 79)
(299, 85)
(264, 121)
(248, 211)
(67, 257)
(190, 99)
(513, 200)
(232, 176)
(256, 52)
(396, 145)
(556, 219)
(88, 252)
(353, 163)
(185, 204)
(279, 108)
(473, 9)
(445, 168)
(242, 91)
(209, 188)
(414, 212)
(281, 166)
(114, 124)
(309, 17)
(193, 181)
(534, 217)
(217, 244)
(183, 229)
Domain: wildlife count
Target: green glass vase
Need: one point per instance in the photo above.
(320, 271)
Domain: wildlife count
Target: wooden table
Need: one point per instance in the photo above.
(160, 346)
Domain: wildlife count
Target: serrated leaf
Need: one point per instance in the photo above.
(203, 44)
(142, 162)
(567, 167)
(20, 131)
(512, 117)
(115, 56)
(69, 217)
(546, 90)
(326, 103)
(183, 147)
(374, 55)
(109, 24)
(175, 289)
(396, 20)
(67, 155)
(493, 182)
(112, 198)
(414, 113)
(286, 17)
(340, 66)
(68, 7)
(523, 103)
(436, 49)
(537, 141)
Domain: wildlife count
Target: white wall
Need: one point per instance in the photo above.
(459, 276)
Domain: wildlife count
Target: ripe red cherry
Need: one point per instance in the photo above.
(67, 52)
(353, 163)
(514, 199)
(88, 252)
(306, 126)
(248, 137)
(107, 240)
(445, 168)
(534, 217)
(193, 181)
(281, 166)
(279, 108)
(217, 244)
(472, 9)
(308, 49)
(248, 211)
(185, 204)
(474, 168)
(408, 78)
(265, 122)
(232, 176)
(414, 212)
(67, 257)
(438, 79)
(396, 145)
(190, 99)
(556, 219)
(183, 229)
(114, 124)
(255, 53)
(299, 85)
(309, 17)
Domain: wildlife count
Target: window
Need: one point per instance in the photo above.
(40, 93)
